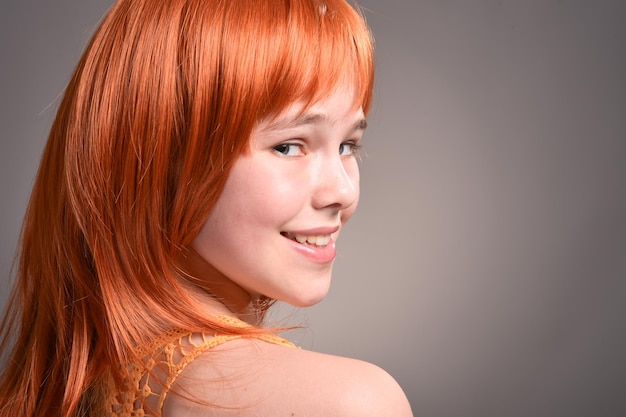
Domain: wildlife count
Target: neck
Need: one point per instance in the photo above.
(218, 294)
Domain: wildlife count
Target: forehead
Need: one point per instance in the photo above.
(340, 106)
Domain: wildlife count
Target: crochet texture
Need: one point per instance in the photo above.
(150, 382)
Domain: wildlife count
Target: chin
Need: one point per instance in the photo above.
(307, 298)
(309, 302)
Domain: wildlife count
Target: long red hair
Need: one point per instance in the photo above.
(162, 102)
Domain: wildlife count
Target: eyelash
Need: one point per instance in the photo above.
(284, 148)
(354, 148)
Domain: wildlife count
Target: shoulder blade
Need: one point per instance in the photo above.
(248, 377)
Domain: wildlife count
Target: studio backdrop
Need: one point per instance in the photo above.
(485, 268)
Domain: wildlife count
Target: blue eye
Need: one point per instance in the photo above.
(348, 149)
(289, 149)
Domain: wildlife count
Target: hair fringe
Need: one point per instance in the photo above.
(160, 105)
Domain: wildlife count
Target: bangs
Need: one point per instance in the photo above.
(281, 52)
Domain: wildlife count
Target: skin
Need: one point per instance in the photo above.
(251, 378)
(300, 178)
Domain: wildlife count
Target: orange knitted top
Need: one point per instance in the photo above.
(151, 381)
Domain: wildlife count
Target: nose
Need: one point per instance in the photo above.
(336, 184)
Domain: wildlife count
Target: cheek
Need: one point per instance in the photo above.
(260, 192)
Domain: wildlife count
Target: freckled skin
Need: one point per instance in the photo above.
(300, 177)
(301, 174)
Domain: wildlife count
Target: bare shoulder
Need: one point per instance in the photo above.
(250, 377)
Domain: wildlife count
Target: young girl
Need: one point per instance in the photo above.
(201, 165)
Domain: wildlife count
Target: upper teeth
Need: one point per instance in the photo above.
(317, 240)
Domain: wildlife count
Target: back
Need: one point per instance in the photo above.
(248, 377)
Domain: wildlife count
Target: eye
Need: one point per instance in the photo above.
(348, 149)
(289, 149)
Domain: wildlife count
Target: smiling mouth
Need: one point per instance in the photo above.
(319, 241)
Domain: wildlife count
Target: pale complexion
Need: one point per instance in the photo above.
(273, 232)
(274, 227)
(252, 378)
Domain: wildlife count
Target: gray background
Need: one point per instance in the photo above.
(486, 266)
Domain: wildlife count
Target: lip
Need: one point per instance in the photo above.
(316, 231)
(316, 254)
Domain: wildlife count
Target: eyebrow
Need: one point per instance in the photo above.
(310, 119)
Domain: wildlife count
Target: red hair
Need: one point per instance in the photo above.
(162, 102)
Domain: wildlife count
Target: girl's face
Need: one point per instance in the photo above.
(274, 227)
